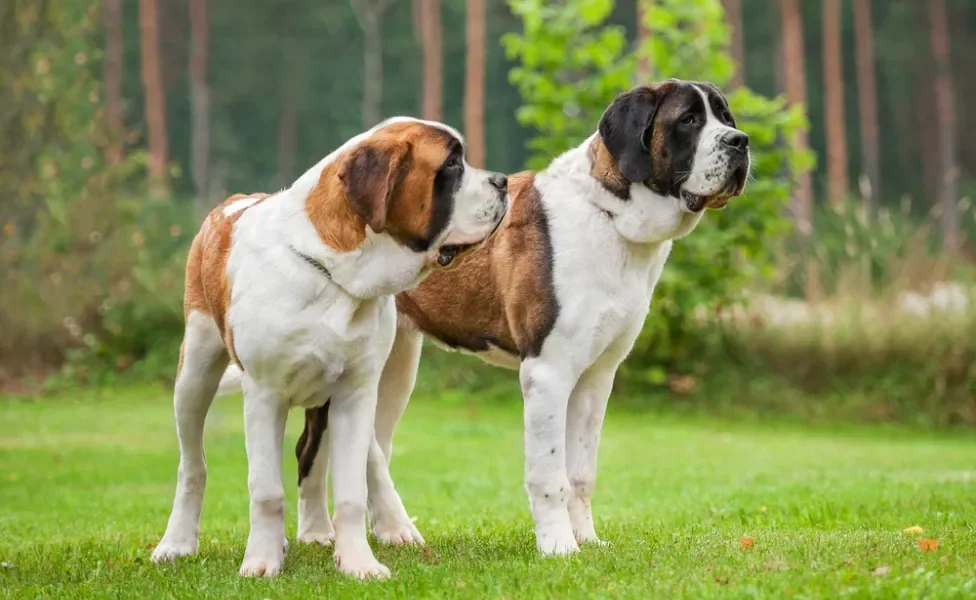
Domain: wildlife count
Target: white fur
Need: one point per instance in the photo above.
(238, 205)
(304, 338)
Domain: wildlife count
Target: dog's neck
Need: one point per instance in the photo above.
(639, 215)
(318, 224)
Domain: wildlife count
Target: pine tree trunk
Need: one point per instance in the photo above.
(200, 103)
(369, 13)
(430, 27)
(155, 97)
(112, 15)
(867, 88)
(794, 75)
(733, 16)
(837, 180)
(474, 84)
(948, 171)
(291, 71)
(645, 70)
(794, 72)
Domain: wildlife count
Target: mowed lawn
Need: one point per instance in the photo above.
(86, 482)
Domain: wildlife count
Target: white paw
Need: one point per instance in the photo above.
(168, 549)
(360, 567)
(556, 543)
(259, 564)
(398, 533)
(322, 538)
(588, 537)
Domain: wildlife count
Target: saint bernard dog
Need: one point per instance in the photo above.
(296, 289)
(560, 293)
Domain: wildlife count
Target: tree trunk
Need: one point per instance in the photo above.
(838, 185)
(112, 15)
(794, 71)
(733, 16)
(152, 85)
(200, 104)
(947, 169)
(370, 16)
(430, 27)
(868, 103)
(794, 75)
(288, 117)
(474, 84)
(645, 70)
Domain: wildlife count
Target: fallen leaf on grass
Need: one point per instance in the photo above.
(430, 557)
(150, 546)
(928, 545)
(747, 542)
(722, 580)
(913, 530)
(883, 570)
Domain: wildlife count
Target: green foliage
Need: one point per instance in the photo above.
(92, 275)
(571, 66)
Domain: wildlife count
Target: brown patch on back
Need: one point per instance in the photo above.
(207, 288)
(501, 294)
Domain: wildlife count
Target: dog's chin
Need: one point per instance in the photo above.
(734, 186)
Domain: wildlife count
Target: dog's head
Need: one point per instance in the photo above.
(409, 179)
(679, 139)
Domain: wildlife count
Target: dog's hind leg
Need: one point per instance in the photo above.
(203, 359)
(396, 383)
(312, 451)
(387, 516)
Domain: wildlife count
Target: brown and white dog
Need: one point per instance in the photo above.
(560, 293)
(296, 288)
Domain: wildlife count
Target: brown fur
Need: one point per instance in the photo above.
(604, 169)
(501, 294)
(417, 151)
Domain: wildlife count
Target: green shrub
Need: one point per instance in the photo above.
(571, 66)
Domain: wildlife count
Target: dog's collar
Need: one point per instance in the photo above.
(316, 264)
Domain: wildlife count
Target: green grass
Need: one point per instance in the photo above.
(86, 481)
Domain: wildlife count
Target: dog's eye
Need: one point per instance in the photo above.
(689, 120)
(453, 163)
(727, 116)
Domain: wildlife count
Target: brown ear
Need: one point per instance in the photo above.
(369, 175)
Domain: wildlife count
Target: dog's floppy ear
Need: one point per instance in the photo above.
(370, 174)
(626, 128)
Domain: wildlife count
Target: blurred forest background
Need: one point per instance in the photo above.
(839, 287)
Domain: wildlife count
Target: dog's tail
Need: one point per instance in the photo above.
(231, 381)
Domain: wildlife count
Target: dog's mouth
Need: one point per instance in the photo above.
(734, 186)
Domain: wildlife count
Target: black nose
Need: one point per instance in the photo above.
(736, 139)
(499, 182)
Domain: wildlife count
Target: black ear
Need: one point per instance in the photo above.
(626, 130)
(369, 175)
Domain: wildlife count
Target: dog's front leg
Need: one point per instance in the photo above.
(545, 392)
(265, 414)
(587, 407)
(351, 434)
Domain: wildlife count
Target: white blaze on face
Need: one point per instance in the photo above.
(711, 168)
(478, 207)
